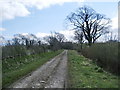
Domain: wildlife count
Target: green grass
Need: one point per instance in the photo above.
(83, 73)
(15, 69)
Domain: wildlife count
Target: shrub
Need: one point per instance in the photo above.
(105, 55)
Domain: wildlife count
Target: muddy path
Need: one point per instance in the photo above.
(52, 74)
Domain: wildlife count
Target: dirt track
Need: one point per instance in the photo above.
(52, 74)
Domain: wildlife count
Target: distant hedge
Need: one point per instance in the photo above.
(12, 51)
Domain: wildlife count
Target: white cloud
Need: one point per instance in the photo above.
(114, 28)
(9, 9)
(115, 22)
(25, 34)
(101, 0)
(41, 35)
(2, 29)
(69, 34)
(29, 36)
(113, 31)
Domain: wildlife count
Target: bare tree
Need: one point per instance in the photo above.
(39, 42)
(32, 39)
(91, 23)
(17, 40)
(112, 38)
(53, 42)
(2, 40)
(28, 40)
(60, 37)
(79, 37)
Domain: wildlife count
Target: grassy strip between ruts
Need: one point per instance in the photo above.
(13, 74)
(83, 73)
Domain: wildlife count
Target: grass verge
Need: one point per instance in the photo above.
(15, 69)
(83, 73)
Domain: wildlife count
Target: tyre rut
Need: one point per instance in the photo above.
(41, 77)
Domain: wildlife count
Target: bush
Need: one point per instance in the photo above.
(13, 51)
(105, 55)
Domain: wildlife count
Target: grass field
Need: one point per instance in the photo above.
(83, 73)
(13, 69)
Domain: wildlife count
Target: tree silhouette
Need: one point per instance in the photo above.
(79, 37)
(91, 23)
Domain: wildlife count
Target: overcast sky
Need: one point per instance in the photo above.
(40, 17)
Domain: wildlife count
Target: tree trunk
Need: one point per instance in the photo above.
(81, 46)
(90, 43)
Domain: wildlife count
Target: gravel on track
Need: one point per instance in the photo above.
(52, 74)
